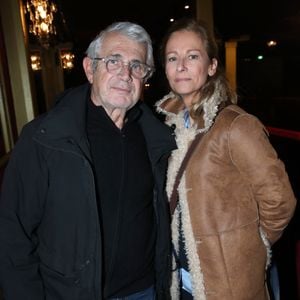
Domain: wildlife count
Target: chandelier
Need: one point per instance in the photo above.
(41, 16)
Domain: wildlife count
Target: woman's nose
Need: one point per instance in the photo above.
(181, 65)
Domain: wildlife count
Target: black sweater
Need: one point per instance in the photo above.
(124, 184)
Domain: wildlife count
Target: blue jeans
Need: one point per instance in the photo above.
(147, 294)
(274, 282)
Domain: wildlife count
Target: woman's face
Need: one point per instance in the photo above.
(187, 64)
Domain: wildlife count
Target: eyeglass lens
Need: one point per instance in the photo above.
(137, 69)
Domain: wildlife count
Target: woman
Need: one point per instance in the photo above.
(234, 198)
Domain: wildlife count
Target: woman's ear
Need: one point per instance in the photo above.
(88, 69)
(213, 67)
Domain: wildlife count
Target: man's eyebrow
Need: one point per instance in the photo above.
(115, 55)
(136, 61)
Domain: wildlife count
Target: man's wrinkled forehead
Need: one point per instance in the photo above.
(117, 44)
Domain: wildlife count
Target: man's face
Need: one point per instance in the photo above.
(119, 90)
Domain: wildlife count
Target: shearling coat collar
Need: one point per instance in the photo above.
(173, 108)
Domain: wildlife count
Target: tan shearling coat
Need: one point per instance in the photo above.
(235, 199)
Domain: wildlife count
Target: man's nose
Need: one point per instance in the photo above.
(125, 71)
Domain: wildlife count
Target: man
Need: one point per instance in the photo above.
(83, 213)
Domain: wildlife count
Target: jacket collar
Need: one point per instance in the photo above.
(172, 106)
(67, 122)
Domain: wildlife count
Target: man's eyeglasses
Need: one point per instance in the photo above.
(114, 65)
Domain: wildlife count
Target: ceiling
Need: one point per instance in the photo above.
(233, 18)
(259, 19)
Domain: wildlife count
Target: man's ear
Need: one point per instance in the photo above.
(87, 64)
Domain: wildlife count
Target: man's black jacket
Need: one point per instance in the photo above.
(50, 241)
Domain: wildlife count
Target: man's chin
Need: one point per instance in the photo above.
(124, 103)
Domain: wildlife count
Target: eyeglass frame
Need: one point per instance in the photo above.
(106, 60)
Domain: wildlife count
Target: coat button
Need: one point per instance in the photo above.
(82, 266)
(77, 281)
(43, 130)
